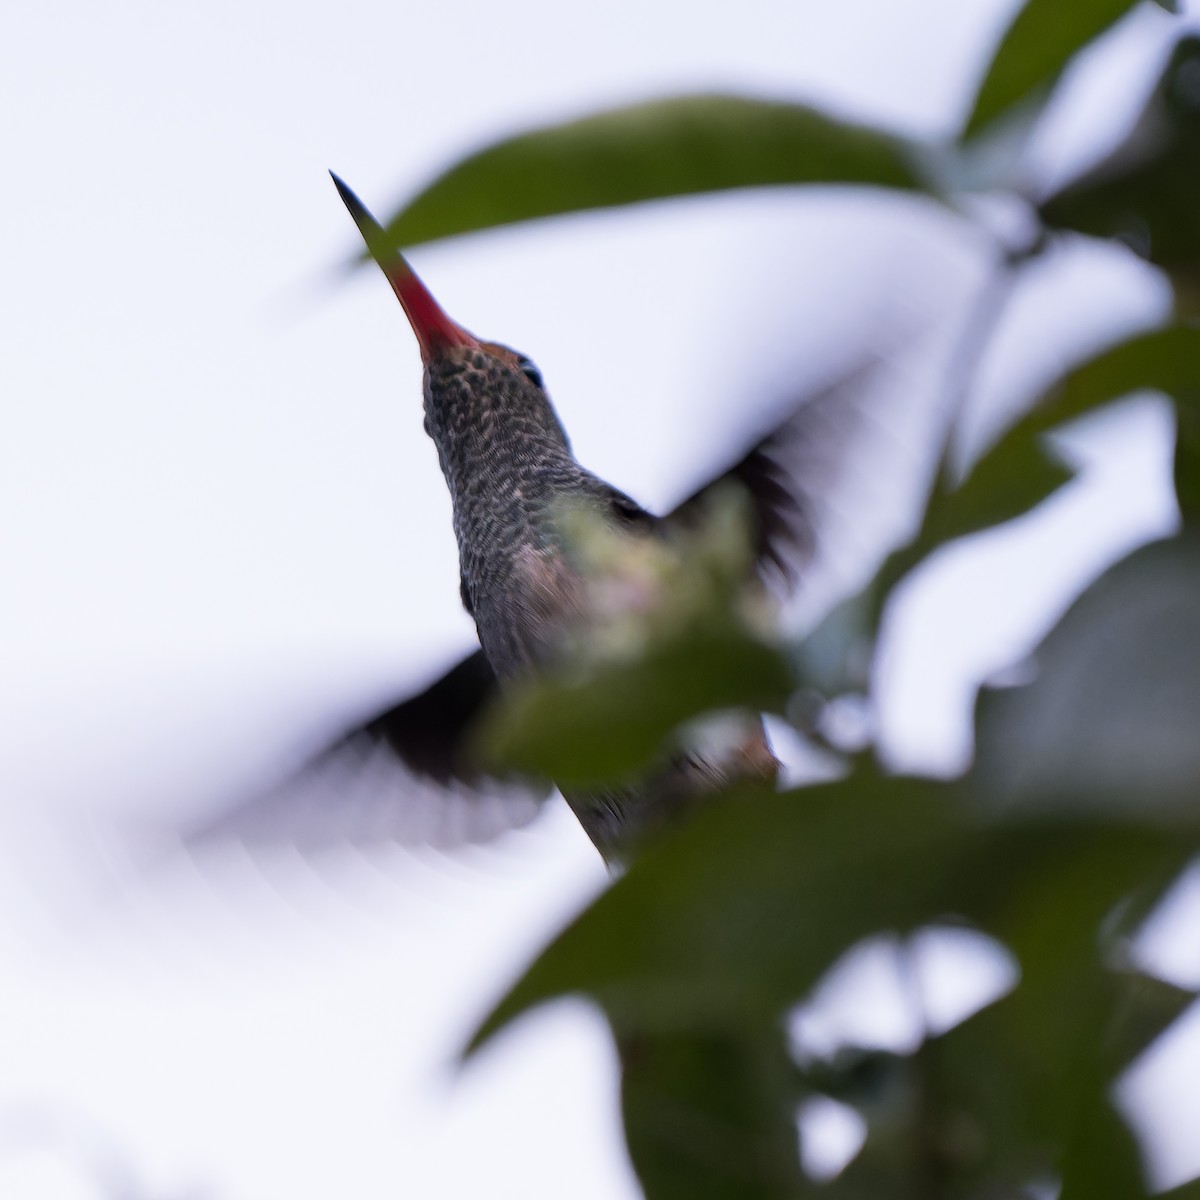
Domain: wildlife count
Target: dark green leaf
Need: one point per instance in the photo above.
(991, 1081)
(1014, 477)
(710, 1116)
(1166, 360)
(1142, 1007)
(1146, 193)
(1102, 1157)
(994, 1103)
(993, 1073)
(745, 905)
(1111, 717)
(605, 726)
(741, 911)
(1042, 39)
(1015, 473)
(1185, 1191)
(673, 147)
(999, 1098)
(715, 932)
(1186, 466)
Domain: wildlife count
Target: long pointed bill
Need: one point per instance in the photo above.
(435, 331)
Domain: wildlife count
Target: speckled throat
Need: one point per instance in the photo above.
(509, 468)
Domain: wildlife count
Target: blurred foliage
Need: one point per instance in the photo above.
(1080, 810)
(1038, 45)
(545, 728)
(672, 634)
(673, 147)
(1147, 191)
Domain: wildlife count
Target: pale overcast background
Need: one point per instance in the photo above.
(223, 527)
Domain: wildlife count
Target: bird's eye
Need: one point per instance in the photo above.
(530, 371)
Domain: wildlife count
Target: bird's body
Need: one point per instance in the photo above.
(513, 485)
(516, 488)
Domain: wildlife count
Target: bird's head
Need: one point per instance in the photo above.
(460, 368)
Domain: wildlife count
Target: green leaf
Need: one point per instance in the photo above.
(1015, 476)
(697, 952)
(1015, 473)
(1142, 1009)
(606, 725)
(673, 147)
(735, 917)
(1067, 1010)
(1166, 360)
(980, 1103)
(1185, 1191)
(1146, 193)
(1102, 1157)
(979, 1107)
(1042, 39)
(744, 906)
(1186, 466)
(710, 1116)
(1110, 718)
(1018, 472)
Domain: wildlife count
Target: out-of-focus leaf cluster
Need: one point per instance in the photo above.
(672, 635)
(1081, 808)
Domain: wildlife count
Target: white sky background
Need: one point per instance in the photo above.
(224, 527)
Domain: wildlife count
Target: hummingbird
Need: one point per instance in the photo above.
(511, 474)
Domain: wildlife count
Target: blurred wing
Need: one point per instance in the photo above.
(404, 776)
(427, 732)
(791, 473)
